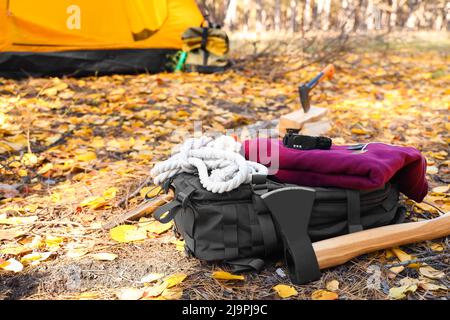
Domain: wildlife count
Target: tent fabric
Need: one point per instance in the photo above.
(75, 30)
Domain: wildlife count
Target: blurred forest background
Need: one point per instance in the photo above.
(305, 15)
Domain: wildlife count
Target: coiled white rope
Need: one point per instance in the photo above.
(220, 166)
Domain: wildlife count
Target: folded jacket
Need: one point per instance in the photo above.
(371, 167)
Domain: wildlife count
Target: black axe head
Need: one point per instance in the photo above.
(303, 90)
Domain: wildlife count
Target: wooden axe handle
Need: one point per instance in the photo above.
(145, 208)
(336, 251)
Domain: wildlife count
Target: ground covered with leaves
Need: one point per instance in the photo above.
(72, 149)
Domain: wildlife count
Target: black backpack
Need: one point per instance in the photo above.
(238, 228)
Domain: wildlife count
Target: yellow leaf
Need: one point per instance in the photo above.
(94, 202)
(436, 246)
(77, 252)
(359, 131)
(127, 233)
(441, 189)
(179, 244)
(172, 294)
(18, 220)
(31, 258)
(56, 197)
(88, 295)
(104, 256)
(332, 285)
(398, 293)
(110, 193)
(324, 295)
(389, 254)
(157, 227)
(152, 277)
(430, 272)
(151, 191)
(155, 290)
(15, 250)
(395, 271)
(29, 159)
(432, 286)
(285, 291)
(223, 275)
(130, 294)
(174, 279)
(52, 241)
(403, 256)
(86, 156)
(31, 208)
(45, 168)
(432, 170)
(12, 265)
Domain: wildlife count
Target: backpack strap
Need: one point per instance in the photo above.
(300, 257)
(245, 265)
(353, 211)
(205, 31)
(165, 213)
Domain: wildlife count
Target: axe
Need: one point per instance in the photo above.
(305, 259)
(306, 88)
(296, 119)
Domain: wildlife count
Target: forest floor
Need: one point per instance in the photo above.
(71, 149)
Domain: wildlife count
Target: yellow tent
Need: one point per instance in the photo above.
(86, 36)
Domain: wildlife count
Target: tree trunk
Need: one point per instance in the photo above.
(308, 15)
(293, 16)
(231, 15)
(277, 15)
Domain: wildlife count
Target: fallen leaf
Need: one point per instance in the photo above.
(110, 193)
(19, 220)
(332, 285)
(15, 250)
(431, 273)
(223, 275)
(155, 290)
(88, 295)
(403, 256)
(29, 159)
(432, 170)
(172, 294)
(436, 247)
(157, 227)
(285, 291)
(10, 234)
(86, 156)
(180, 244)
(151, 191)
(12, 265)
(94, 202)
(104, 256)
(130, 294)
(152, 277)
(53, 242)
(324, 295)
(441, 189)
(398, 293)
(394, 271)
(432, 286)
(127, 233)
(35, 257)
(174, 279)
(77, 252)
(359, 131)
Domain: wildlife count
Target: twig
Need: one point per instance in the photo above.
(135, 192)
(408, 262)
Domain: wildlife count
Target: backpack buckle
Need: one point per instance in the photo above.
(184, 196)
